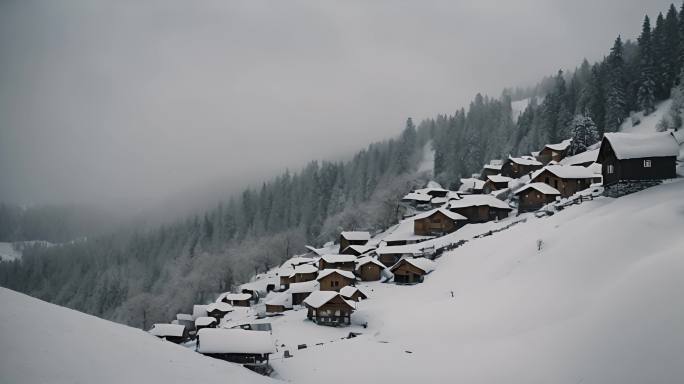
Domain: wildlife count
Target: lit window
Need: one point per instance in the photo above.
(647, 163)
(610, 168)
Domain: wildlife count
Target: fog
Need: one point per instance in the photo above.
(129, 103)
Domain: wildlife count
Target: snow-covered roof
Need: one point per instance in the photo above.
(367, 259)
(234, 296)
(439, 200)
(338, 258)
(304, 268)
(414, 196)
(471, 183)
(349, 291)
(562, 146)
(361, 249)
(595, 168)
(425, 265)
(219, 306)
(541, 187)
(637, 145)
(566, 171)
(297, 260)
(219, 340)
(327, 272)
(404, 232)
(303, 287)
(279, 298)
(496, 162)
(320, 298)
(495, 167)
(184, 317)
(499, 178)
(167, 330)
(581, 158)
(478, 200)
(315, 250)
(355, 235)
(446, 212)
(408, 249)
(204, 321)
(524, 160)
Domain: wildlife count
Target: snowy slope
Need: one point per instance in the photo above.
(518, 107)
(7, 252)
(45, 343)
(648, 123)
(600, 303)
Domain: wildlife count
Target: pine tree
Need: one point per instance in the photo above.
(660, 59)
(671, 43)
(616, 103)
(646, 90)
(584, 134)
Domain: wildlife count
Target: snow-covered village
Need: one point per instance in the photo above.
(536, 237)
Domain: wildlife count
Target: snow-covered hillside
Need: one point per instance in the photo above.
(599, 303)
(647, 124)
(7, 252)
(518, 107)
(45, 343)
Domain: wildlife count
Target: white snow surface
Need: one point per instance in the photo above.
(356, 235)
(582, 157)
(163, 330)
(218, 340)
(647, 124)
(340, 272)
(541, 187)
(45, 343)
(566, 171)
(599, 303)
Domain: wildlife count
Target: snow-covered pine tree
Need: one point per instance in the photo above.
(616, 101)
(584, 134)
(646, 89)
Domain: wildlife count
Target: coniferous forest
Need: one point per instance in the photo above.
(141, 276)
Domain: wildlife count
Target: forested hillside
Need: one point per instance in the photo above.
(139, 277)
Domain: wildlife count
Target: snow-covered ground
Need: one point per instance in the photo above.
(7, 252)
(599, 303)
(45, 343)
(427, 163)
(518, 107)
(647, 124)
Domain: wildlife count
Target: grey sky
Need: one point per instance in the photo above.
(136, 101)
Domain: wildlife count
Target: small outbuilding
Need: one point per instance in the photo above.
(348, 238)
(533, 196)
(412, 270)
(344, 262)
(495, 183)
(186, 320)
(300, 291)
(335, 279)
(302, 273)
(205, 322)
(278, 302)
(369, 269)
(480, 208)
(516, 167)
(236, 299)
(236, 345)
(174, 333)
(352, 293)
(554, 152)
(329, 308)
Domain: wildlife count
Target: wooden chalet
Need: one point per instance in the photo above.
(495, 183)
(304, 272)
(335, 279)
(493, 168)
(437, 222)
(329, 308)
(278, 302)
(357, 250)
(353, 294)
(174, 333)
(236, 345)
(369, 269)
(411, 270)
(300, 291)
(344, 262)
(236, 299)
(205, 322)
(219, 309)
(583, 159)
(391, 254)
(516, 167)
(417, 200)
(480, 208)
(567, 179)
(533, 196)
(348, 238)
(633, 161)
(554, 152)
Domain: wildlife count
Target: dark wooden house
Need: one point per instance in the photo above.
(205, 322)
(174, 333)
(515, 167)
(304, 272)
(236, 299)
(353, 294)
(353, 238)
(344, 262)
(567, 179)
(369, 269)
(493, 168)
(634, 161)
(554, 152)
(236, 345)
(411, 270)
(437, 222)
(533, 196)
(335, 279)
(300, 291)
(279, 302)
(495, 183)
(219, 309)
(480, 208)
(329, 308)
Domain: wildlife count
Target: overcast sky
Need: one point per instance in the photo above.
(136, 101)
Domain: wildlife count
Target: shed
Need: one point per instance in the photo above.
(633, 161)
(471, 185)
(369, 269)
(335, 279)
(235, 299)
(329, 308)
(567, 179)
(554, 152)
(345, 262)
(205, 322)
(300, 291)
(186, 320)
(236, 345)
(302, 273)
(437, 222)
(278, 302)
(348, 238)
(535, 195)
(219, 309)
(491, 169)
(174, 333)
(352, 293)
(495, 183)
(412, 270)
(516, 167)
(480, 208)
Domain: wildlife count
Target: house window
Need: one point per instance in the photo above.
(610, 168)
(647, 163)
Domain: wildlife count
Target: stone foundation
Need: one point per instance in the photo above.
(626, 187)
